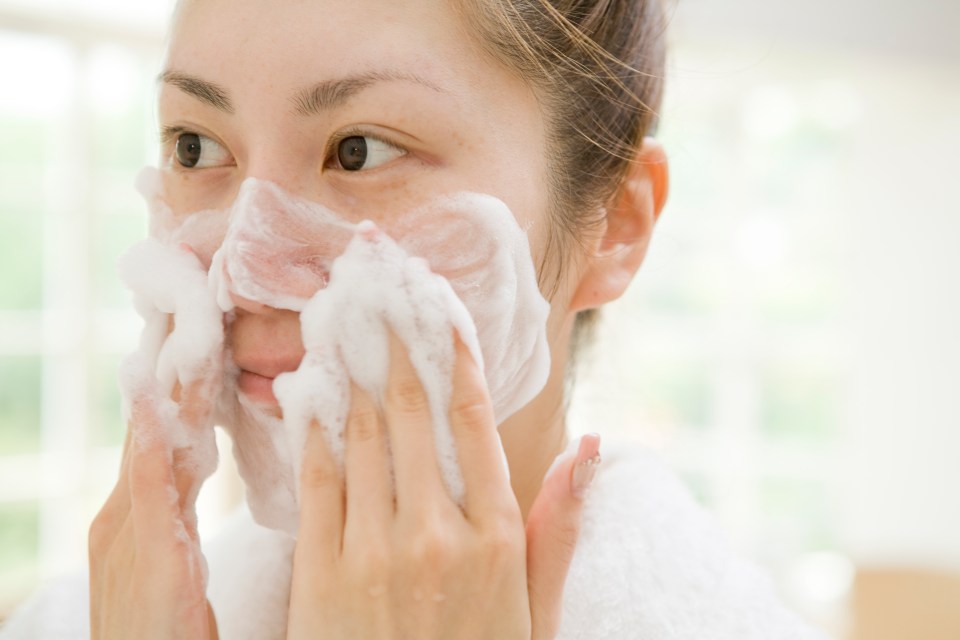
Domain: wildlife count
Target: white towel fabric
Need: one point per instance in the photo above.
(651, 564)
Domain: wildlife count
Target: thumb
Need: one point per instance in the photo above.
(553, 528)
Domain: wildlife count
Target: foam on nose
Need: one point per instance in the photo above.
(278, 248)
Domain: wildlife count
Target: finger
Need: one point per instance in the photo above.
(321, 502)
(154, 508)
(197, 395)
(188, 476)
(104, 563)
(410, 427)
(195, 464)
(138, 386)
(118, 502)
(367, 474)
(553, 529)
(212, 623)
(479, 451)
(195, 399)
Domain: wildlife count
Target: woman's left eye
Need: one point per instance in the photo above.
(355, 153)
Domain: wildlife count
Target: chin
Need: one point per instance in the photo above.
(263, 456)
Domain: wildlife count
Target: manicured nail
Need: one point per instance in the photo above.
(585, 466)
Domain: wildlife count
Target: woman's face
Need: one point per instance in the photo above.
(369, 107)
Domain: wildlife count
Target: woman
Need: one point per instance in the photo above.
(371, 107)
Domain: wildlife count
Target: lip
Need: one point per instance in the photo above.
(256, 387)
(257, 375)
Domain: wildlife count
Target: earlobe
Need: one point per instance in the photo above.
(627, 228)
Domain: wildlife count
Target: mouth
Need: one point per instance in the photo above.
(256, 387)
(256, 379)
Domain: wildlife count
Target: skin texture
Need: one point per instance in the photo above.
(365, 566)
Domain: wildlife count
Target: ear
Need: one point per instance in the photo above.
(626, 230)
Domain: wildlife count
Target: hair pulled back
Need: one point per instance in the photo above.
(597, 66)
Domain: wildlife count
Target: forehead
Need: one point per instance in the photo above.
(292, 42)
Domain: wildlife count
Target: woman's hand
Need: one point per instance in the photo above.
(147, 575)
(420, 567)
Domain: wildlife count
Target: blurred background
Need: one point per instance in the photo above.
(790, 346)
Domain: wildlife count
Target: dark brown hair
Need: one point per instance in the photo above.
(597, 66)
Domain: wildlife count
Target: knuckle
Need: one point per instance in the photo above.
(363, 426)
(102, 531)
(407, 396)
(319, 477)
(372, 565)
(471, 413)
(501, 543)
(432, 548)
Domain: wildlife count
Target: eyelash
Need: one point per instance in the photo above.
(168, 136)
(330, 153)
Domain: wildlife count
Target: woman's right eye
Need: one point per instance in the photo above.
(194, 151)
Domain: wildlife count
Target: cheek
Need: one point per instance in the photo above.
(382, 198)
(183, 217)
(204, 242)
(186, 192)
(538, 233)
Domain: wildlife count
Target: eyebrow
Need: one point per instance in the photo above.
(331, 94)
(316, 99)
(205, 91)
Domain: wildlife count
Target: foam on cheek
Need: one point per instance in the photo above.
(203, 230)
(474, 241)
(279, 251)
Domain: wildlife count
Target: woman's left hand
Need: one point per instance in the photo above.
(367, 566)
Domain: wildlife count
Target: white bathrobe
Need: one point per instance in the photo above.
(651, 564)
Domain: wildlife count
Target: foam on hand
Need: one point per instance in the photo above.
(180, 352)
(170, 281)
(458, 263)
(376, 288)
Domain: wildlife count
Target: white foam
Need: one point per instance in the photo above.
(279, 249)
(169, 281)
(375, 288)
(460, 262)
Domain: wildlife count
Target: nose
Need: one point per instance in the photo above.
(273, 161)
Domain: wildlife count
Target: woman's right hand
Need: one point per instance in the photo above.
(147, 574)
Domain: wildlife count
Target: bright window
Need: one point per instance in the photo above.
(75, 126)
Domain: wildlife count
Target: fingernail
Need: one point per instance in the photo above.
(585, 466)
